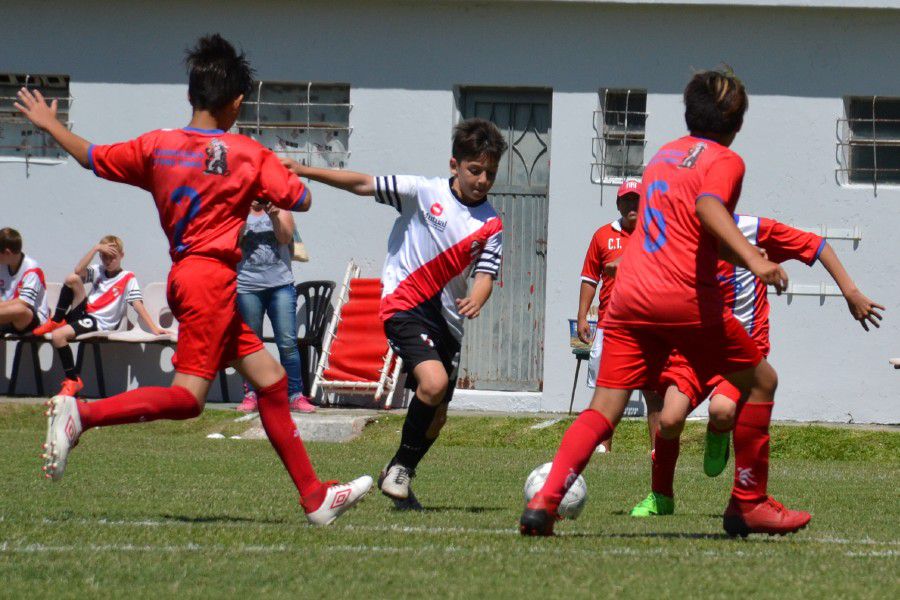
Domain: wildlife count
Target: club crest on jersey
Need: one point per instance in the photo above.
(216, 158)
(432, 217)
(693, 155)
(475, 249)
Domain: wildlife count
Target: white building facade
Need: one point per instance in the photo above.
(585, 90)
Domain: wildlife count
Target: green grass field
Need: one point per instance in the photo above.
(159, 510)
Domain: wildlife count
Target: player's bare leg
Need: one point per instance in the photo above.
(16, 313)
(425, 417)
(581, 438)
(323, 502)
(666, 446)
(73, 293)
(751, 509)
(722, 415)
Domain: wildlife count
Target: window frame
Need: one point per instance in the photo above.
(301, 127)
(849, 140)
(604, 134)
(9, 115)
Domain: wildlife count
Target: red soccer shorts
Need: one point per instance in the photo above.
(202, 294)
(634, 357)
(678, 372)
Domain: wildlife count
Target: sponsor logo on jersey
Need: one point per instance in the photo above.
(216, 158)
(690, 161)
(432, 217)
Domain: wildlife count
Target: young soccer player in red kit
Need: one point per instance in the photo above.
(747, 297)
(203, 181)
(667, 298)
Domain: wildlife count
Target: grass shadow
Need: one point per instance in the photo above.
(219, 519)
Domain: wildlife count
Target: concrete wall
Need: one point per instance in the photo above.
(403, 61)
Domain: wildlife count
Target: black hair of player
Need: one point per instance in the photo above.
(715, 103)
(476, 138)
(217, 74)
(11, 240)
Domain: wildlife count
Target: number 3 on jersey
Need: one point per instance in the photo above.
(193, 208)
(654, 216)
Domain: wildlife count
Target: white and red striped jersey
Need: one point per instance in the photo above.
(745, 293)
(28, 284)
(110, 295)
(436, 243)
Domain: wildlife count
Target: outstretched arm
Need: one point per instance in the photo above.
(861, 307)
(351, 181)
(481, 290)
(717, 221)
(43, 115)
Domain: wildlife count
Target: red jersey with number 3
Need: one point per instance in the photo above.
(203, 182)
(607, 244)
(668, 272)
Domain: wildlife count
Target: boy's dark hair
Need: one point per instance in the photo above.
(217, 74)
(474, 138)
(11, 240)
(715, 102)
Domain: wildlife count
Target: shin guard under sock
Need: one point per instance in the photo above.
(751, 452)
(275, 414)
(575, 450)
(68, 361)
(66, 295)
(140, 405)
(665, 456)
(414, 441)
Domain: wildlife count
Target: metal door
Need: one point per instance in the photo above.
(503, 349)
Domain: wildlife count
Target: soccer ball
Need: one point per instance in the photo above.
(572, 503)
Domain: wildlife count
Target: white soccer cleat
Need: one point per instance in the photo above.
(395, 480)
(63, 431)
(340, 498)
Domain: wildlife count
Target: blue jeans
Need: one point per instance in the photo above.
(280, 303)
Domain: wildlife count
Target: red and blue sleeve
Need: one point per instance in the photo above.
(280, 186)
(723, 180)
(783, 242)
(124, 162)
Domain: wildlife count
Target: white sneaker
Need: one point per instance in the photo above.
(394, 481)
(339, 498)
(63, 431)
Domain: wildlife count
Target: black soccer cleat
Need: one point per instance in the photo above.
(536, 522)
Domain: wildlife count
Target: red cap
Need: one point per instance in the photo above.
(630, 186)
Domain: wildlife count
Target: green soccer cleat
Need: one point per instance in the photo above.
(654, 505)
(715, 456)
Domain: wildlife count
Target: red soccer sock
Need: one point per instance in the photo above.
(575, 450)
(665, 455)
(283, 435)
(140, 405)
(751, 452)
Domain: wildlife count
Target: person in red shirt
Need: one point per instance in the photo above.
(746, 296)
(600, 264)
(203, 181)
(667, 298)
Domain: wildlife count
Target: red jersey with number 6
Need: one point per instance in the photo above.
(668, 272)
(203, 181)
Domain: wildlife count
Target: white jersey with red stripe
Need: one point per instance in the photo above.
(28, 284)
(110, 295)
(436, 243)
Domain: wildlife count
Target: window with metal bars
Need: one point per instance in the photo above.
(869, 140)
(620, 127)
(19, 139)
(309, 122)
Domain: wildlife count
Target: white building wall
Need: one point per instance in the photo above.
(404, 60)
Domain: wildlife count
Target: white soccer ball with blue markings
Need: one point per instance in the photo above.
(572, 503)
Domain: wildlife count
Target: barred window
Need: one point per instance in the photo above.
(306, 121)
(620, 127)
(869, 140)
(19, 139)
